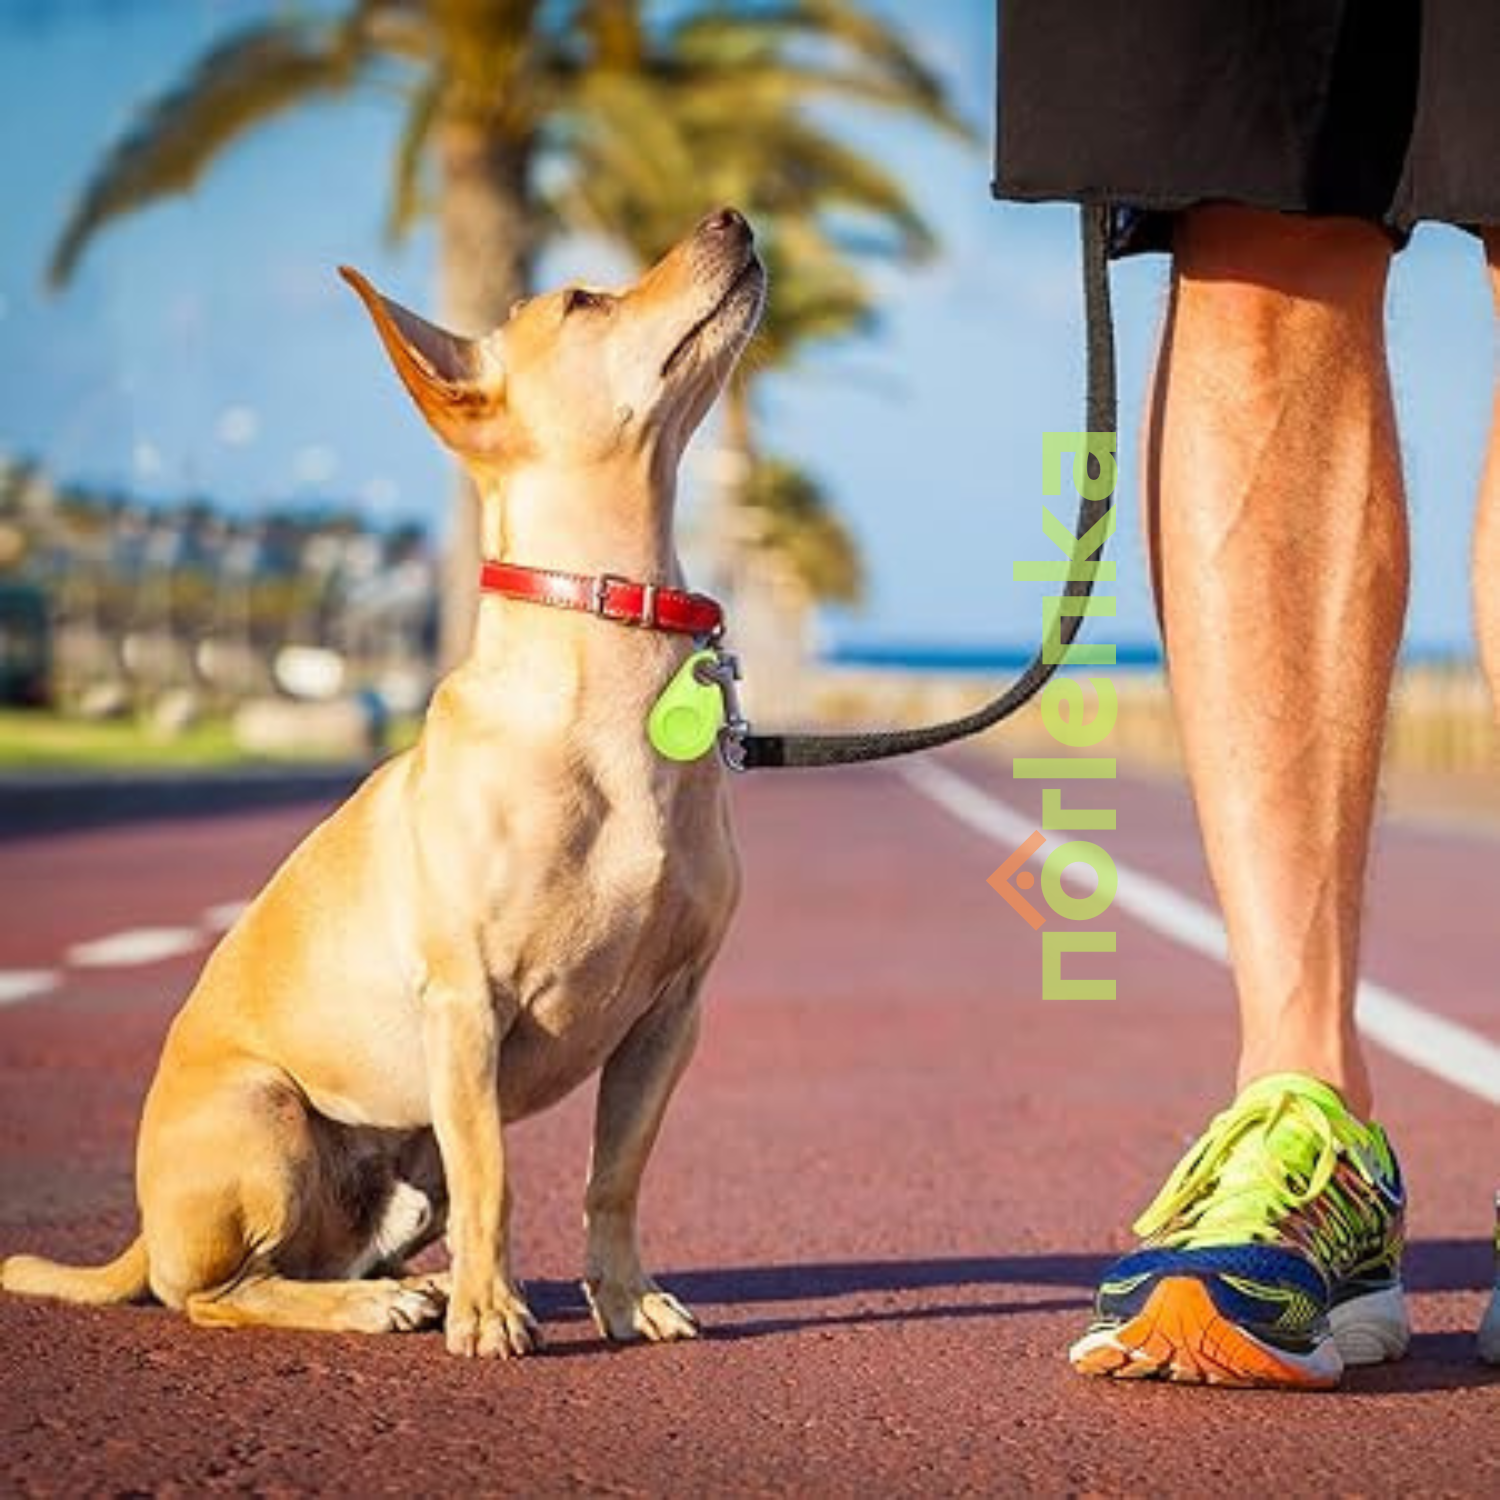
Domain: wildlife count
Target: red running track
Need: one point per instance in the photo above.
(886, 1185)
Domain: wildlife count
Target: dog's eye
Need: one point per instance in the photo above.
(575, 297)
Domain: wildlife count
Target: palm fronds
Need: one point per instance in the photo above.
(796, 522)
(533, 119)
(241, 83)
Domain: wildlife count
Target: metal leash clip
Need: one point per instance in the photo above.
(723, 672)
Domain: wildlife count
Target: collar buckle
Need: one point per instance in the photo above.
(599, 594)
(645, 619)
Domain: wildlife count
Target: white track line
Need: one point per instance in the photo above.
(120, 950)
(26, 984)
(1451, 1052)
(221, 918)
(136, 945)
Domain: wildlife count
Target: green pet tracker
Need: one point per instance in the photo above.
(685, 721)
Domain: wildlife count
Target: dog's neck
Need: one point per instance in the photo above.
(609, 519)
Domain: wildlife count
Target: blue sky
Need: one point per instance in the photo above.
(207, 345)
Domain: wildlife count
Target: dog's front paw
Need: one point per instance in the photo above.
(392, 1306)
(500, 1325)
(419, 1302)
(627, 1314)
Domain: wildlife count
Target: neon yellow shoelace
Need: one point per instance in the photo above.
(1256, 1166)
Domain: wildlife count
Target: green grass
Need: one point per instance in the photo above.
(34, 740)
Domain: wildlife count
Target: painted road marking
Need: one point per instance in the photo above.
(221, 918)
(121, 950)
(1452, 1052)
(26, 984)
(136, 945)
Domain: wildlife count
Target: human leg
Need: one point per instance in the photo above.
(1487, 526)
(1284, 573)
(1278, 534)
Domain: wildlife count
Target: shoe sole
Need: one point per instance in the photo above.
(1371, 1329)
(1181, 1336)
(1488, 1346)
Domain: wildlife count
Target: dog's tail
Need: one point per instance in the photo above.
(125, 1279)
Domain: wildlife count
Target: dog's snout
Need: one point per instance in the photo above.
(728, 221)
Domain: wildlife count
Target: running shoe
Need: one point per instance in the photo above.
(1272, 1257)
(1489, 1327)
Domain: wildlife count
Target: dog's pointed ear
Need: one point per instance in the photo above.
(458, 383)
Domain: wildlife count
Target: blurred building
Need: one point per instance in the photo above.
(107, 602)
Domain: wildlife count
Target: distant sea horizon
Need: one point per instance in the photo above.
(978, 657)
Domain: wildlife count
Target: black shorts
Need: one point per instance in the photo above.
(1386, 110)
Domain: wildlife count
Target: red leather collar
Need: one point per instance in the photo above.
(607, 595)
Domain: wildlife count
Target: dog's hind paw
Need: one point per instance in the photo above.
(627, 1315)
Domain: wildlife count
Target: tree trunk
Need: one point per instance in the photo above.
(738, 432)
(740, 564)
(731, 521)
(487, 246)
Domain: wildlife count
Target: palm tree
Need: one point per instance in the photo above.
(820, 207)
(794, 522)
(513, 107)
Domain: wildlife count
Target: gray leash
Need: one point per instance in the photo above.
(747, 751)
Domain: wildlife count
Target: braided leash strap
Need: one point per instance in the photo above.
(768, 751)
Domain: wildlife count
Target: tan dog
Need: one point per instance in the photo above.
(528, 896)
